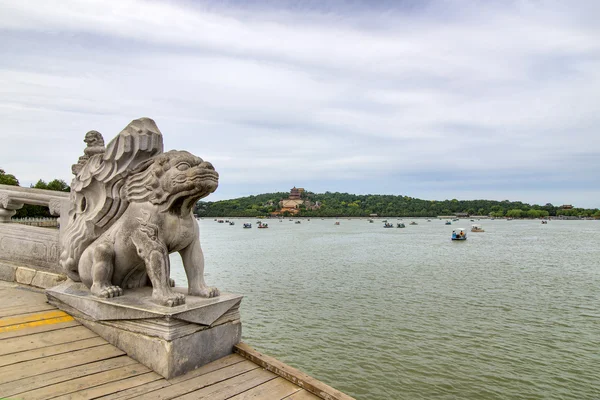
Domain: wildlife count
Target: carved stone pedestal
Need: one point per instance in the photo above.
(170, 340)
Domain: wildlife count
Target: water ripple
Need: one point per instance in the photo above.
(513, 313)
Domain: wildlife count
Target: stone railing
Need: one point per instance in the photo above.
(26, 246)
(45, 222)
(13, 198)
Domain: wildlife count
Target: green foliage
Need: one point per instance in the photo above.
(250, 206)
(8, 179)
(351, 205)
(515, 213)
(57, 184)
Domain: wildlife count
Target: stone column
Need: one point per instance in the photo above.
(8, 208)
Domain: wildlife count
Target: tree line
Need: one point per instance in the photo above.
(29, 210)
(335, 204)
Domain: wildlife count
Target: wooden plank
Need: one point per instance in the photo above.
(302, 395)
(61, 361)
(32, 324)
(20, 296)
(21, 319)
(50, 351)
(49, 378)
(199, 382)
(24, 309)
(85, 382)
(231, 387)
(213, 366)
(135, 392)
(293, 375)
(37, 329)
(112, 387)
(275, 389)
(38, 340)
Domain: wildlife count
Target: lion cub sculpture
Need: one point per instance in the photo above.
(131, 206)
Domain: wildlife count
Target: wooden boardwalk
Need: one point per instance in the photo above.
(46, 354)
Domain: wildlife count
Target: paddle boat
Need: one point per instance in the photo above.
(413, 223)
(544, 222)
(388, 225)
(337, 222)
(400, 225)
(448, 222)
(476, 228)
(298, 222)
(247, 225)
(231, 223)
(459, 234)
(262, 226)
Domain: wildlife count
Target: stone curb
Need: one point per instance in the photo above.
(29, 276)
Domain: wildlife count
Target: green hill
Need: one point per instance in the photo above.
(352, 205)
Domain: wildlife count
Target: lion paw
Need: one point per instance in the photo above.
(106, 291)
(206, 291)
(170, 300)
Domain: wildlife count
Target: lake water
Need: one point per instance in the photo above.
(512, 313)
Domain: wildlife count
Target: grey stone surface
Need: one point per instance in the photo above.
(131, 205)
(30, 246)
(8, 272)
(25, 275)
(175, 357)
(170, 340)
(14, 197)
(45, 280)
(137, 304)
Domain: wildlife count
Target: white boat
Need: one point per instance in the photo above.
(476, 228)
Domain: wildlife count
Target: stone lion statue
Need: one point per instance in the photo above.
(131, 207)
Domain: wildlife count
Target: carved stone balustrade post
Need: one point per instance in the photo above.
(12, 198)
(8, 207)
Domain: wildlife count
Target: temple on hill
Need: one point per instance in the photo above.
(294, 201)
(296, 193)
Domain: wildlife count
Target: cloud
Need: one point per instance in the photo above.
(357, 96)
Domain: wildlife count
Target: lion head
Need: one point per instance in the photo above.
(175, 180)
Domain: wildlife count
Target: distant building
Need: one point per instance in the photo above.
(294, 201)
(566, 206)
(296, 193)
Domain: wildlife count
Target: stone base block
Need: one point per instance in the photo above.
(45, 280)
(8, 272)
(171, 358)
(170, 340)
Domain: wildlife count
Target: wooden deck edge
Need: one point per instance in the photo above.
(293, 375)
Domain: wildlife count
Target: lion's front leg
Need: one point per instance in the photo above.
(156, 257)
(193, 263)
(102, 271)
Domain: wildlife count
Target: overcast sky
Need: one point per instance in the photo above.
(430, 99)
